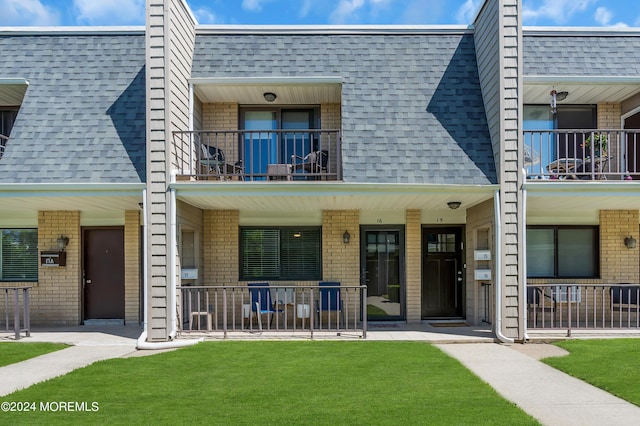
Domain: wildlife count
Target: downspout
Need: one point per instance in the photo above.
(498, 274)
(142, 340)
(172, 261)
(523, 261)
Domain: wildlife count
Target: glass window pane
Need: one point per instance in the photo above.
(19, 255)
(540, 253)
(300, 256)
(576, 253)
(260, 253)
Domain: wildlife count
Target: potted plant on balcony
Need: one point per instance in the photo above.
(599, 141)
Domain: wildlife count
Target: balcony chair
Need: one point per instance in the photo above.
(329, 301)
(213, 159)
(261, 303)
(535, 298)
(314, 162)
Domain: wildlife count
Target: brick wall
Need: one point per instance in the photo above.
(618, 264)
(55, 300)
(414, 267)
(220, 247)
(609, 116)
(340, 261)
(132, 267)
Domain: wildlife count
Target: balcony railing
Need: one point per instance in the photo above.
(582, 154)
(313, 310)
(583, 306)
(258, 155)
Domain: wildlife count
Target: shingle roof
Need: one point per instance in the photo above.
(412, 108)
(581, 55)
(83, 115)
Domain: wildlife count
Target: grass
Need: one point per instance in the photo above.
(368, 383)
(610, 364)
(12, 352)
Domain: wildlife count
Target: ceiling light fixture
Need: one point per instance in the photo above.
(269, 96)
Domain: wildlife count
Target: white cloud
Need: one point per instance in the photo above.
(305, 8)
(346, 11)
(27, 12)
(205, 16)
(110, 12)
(603, 16)
(559, 11)
(467, 12)
(253, 5)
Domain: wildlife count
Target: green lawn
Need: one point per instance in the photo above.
(610, 364)
(12, 352)
(310, 382)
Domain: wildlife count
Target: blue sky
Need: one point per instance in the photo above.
(621, 13)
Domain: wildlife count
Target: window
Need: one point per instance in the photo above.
(562, 252)
(18, 254)
(287, 253)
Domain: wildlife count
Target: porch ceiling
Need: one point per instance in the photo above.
(581, 90)
(583, 196)
(289, 196)
(16, 197)
(12, 91)
(249, 91)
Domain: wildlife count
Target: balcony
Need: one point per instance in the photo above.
(587, 155)
(258, 155)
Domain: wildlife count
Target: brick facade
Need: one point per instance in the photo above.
(413, 261)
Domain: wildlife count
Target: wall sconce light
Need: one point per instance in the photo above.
(630, 242)
(555, 98)
(454, 204)
(269, 96)
(346, 237)
(62, 242)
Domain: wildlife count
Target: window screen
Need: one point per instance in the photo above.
(18, 255)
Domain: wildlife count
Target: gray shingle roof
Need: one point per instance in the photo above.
(412, 109)
(581, 55)
(83, 115)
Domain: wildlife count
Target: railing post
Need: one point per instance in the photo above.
(364, 313)
(27, 313)
(224, 311)
(16, 313)
(569, 311)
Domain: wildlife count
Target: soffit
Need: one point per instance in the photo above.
(288, 196)
(12, 91)
(250, 91)
(580, 90)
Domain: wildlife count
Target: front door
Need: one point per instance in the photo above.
(442, 282)
(103, 258)
(382, 265)
(633, 146)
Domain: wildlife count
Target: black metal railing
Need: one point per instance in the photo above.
(16, 316)
(582, 154)
(313, 309)
(259, 155)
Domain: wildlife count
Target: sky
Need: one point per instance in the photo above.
(600, 13)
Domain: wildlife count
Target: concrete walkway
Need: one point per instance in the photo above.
(549, 395)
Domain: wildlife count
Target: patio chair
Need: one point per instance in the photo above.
(213, 159)
(329, 301)
(314, 162)
(261, 303)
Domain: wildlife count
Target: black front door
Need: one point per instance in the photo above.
(442, 273)
(382, 272)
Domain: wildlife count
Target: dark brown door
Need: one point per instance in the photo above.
(633, 146)
(103, 273)
(442, 284)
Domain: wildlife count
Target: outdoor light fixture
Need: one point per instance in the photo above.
(555, 98)
(346, 237)
(454, 204)
(63, 241)
(630, 242)
(269, 97)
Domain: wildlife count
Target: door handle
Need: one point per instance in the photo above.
(87, 281)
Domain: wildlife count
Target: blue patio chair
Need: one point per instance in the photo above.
(261, 303)
(329, 300)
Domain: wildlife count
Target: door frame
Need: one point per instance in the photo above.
(401, 264)
(461, 273)
(83, 229)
